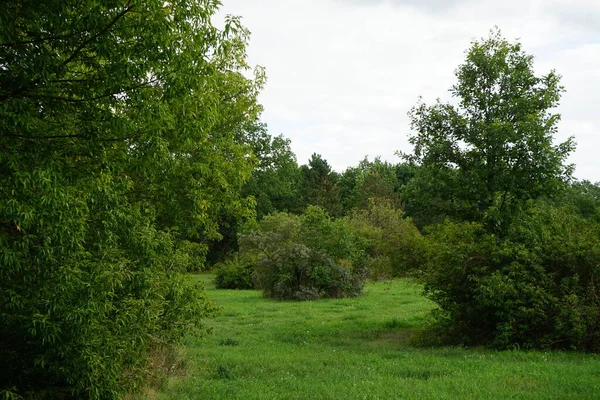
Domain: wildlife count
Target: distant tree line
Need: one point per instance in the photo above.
(509, 245)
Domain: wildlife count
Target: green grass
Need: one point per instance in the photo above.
(358, 349)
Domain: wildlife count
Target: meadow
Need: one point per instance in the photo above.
(359, 348)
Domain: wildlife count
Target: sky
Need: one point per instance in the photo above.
(343, 74)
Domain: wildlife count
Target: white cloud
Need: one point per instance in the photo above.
(342, 74)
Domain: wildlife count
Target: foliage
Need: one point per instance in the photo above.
(273, 186)
(584, 198)
(260, 238)
(302, 257)
(370, 180)
(391, 244)
(274, 183)
(318, 186)
(234, 274)
(118, 129)
(535, 288)
(482, 158)
(297, 272)
(332, 236)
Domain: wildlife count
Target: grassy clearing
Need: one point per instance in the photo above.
(357, 349)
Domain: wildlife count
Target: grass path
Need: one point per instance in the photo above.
(357, 349)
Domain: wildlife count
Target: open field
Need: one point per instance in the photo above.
(358, 349)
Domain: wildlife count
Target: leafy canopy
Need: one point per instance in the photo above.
(491, 149)
(318, 185)
(119, 125)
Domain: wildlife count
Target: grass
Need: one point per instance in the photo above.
(358, 349)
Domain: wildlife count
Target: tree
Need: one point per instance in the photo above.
(584, 198)
(369, 180)
(118, 127)
(514, 270)
(273, 185)
(275, 181)
(319, 185)
(492, 150)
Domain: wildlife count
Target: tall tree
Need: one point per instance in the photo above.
(275, 181)
(118, 124)
(486, 154)
(514, 271)
(274, 185)
(319, 185)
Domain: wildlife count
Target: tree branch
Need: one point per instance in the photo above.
(101, 96)
(86, 42)
(116, 19)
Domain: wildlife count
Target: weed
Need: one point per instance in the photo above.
(229, 342)
(224, 372)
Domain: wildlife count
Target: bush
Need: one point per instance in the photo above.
(302, 257)
(234, 274)
(330, 236)
(390, 244)
(536, 288)
(297, 272)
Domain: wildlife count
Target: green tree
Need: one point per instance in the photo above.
(514, 271)
(369, 180)
(118, 129)
(273, 185)
(318, 185)
(275, 181)
(483, 156)
(584, 198)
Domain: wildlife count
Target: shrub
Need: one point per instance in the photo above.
(536, 288)
(333, 237)
(234, 274)
(297, 272)
(391, 244)
(302, 257)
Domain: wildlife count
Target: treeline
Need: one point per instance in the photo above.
(485, 213)
(279, 184)
(505, 271)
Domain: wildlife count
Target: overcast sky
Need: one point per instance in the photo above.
(342, 74)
